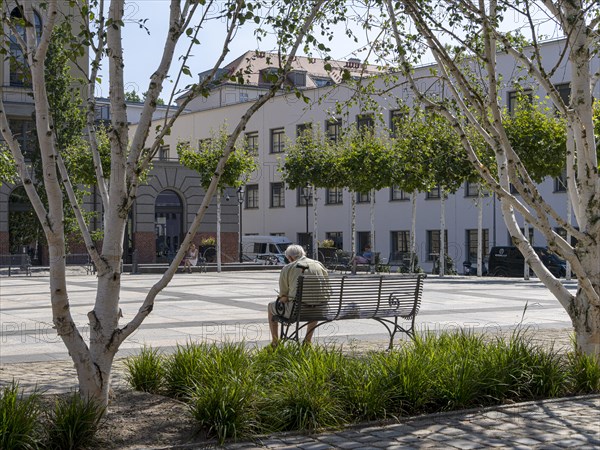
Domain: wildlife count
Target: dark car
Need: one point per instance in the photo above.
(509, 262)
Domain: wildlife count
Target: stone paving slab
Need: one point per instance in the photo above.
(470, 429)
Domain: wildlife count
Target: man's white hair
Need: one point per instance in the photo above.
(294, 251)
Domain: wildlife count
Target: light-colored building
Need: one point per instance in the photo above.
(269, 208)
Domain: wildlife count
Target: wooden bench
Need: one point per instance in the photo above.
(392, 300)
(20, 262)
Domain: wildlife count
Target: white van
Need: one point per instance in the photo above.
(270, 249)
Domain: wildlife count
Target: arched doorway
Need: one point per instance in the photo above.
(24, 229)
(168, 224)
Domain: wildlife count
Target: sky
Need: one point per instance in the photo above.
(143, 50)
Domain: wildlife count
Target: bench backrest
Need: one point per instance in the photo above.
(20, 259)
(363, 297)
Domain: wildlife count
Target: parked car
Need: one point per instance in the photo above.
(263, 246)
(509, 262)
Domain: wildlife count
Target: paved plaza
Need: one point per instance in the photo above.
(232, 306)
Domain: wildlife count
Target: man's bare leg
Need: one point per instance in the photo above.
(310, 328)
(274, 328)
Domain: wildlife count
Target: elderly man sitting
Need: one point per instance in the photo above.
(288, 282)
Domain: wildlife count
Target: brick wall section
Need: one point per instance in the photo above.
(229, 247)
(4, 250)
(145, 243)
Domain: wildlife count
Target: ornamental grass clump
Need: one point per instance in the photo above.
(367, 386)
(146, 372)
(234, 392)
(73, 423)
(300, 393)
(19, 418)
(584, 373)
(223, 396)
(185, 368)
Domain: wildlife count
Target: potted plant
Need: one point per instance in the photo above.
(207, 248)
(327, 251)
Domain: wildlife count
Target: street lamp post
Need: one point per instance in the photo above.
(240, 194)
(306, 194)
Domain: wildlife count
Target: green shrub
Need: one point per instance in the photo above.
(222, 397)
(183, 369)
(584, 373)
(73, 423)
(301, 394)
(145, 372)
(225, 407)
(19, 425)
(233, 392)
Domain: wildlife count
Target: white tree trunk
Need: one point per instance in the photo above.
(479, 233)
(315, 240)
(353, 230)
(413, 231)
(569, 214)
(219, 195)
(525, 265)
(442, 260)
(372, 234)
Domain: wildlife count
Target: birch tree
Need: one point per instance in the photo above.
(466, 38)
(366, 159)
(309, 161)
(240, 164)
(130, 156)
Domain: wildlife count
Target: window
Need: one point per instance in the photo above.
(302, 128)
(163, 152)
(398, 194)
(472, 189)
(396, 116)
(563, 233)
(277, 195)
(363, 240)
(302, 197)
(305, 240)
(337, 237)
(333, 127)
(322, 81)
(268, 76)
(564, 90)
(334, 196)
(400, 241)
(252, 196)
(433, 193)
(363, 197)
(513, 98)
(560, 183)
(471, 244)
(433, 244)
(297, 78)
(24, 133)
(277, 140)
(252, 142)
(18, 60)
(365, 121)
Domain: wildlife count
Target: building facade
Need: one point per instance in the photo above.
(271, 209)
